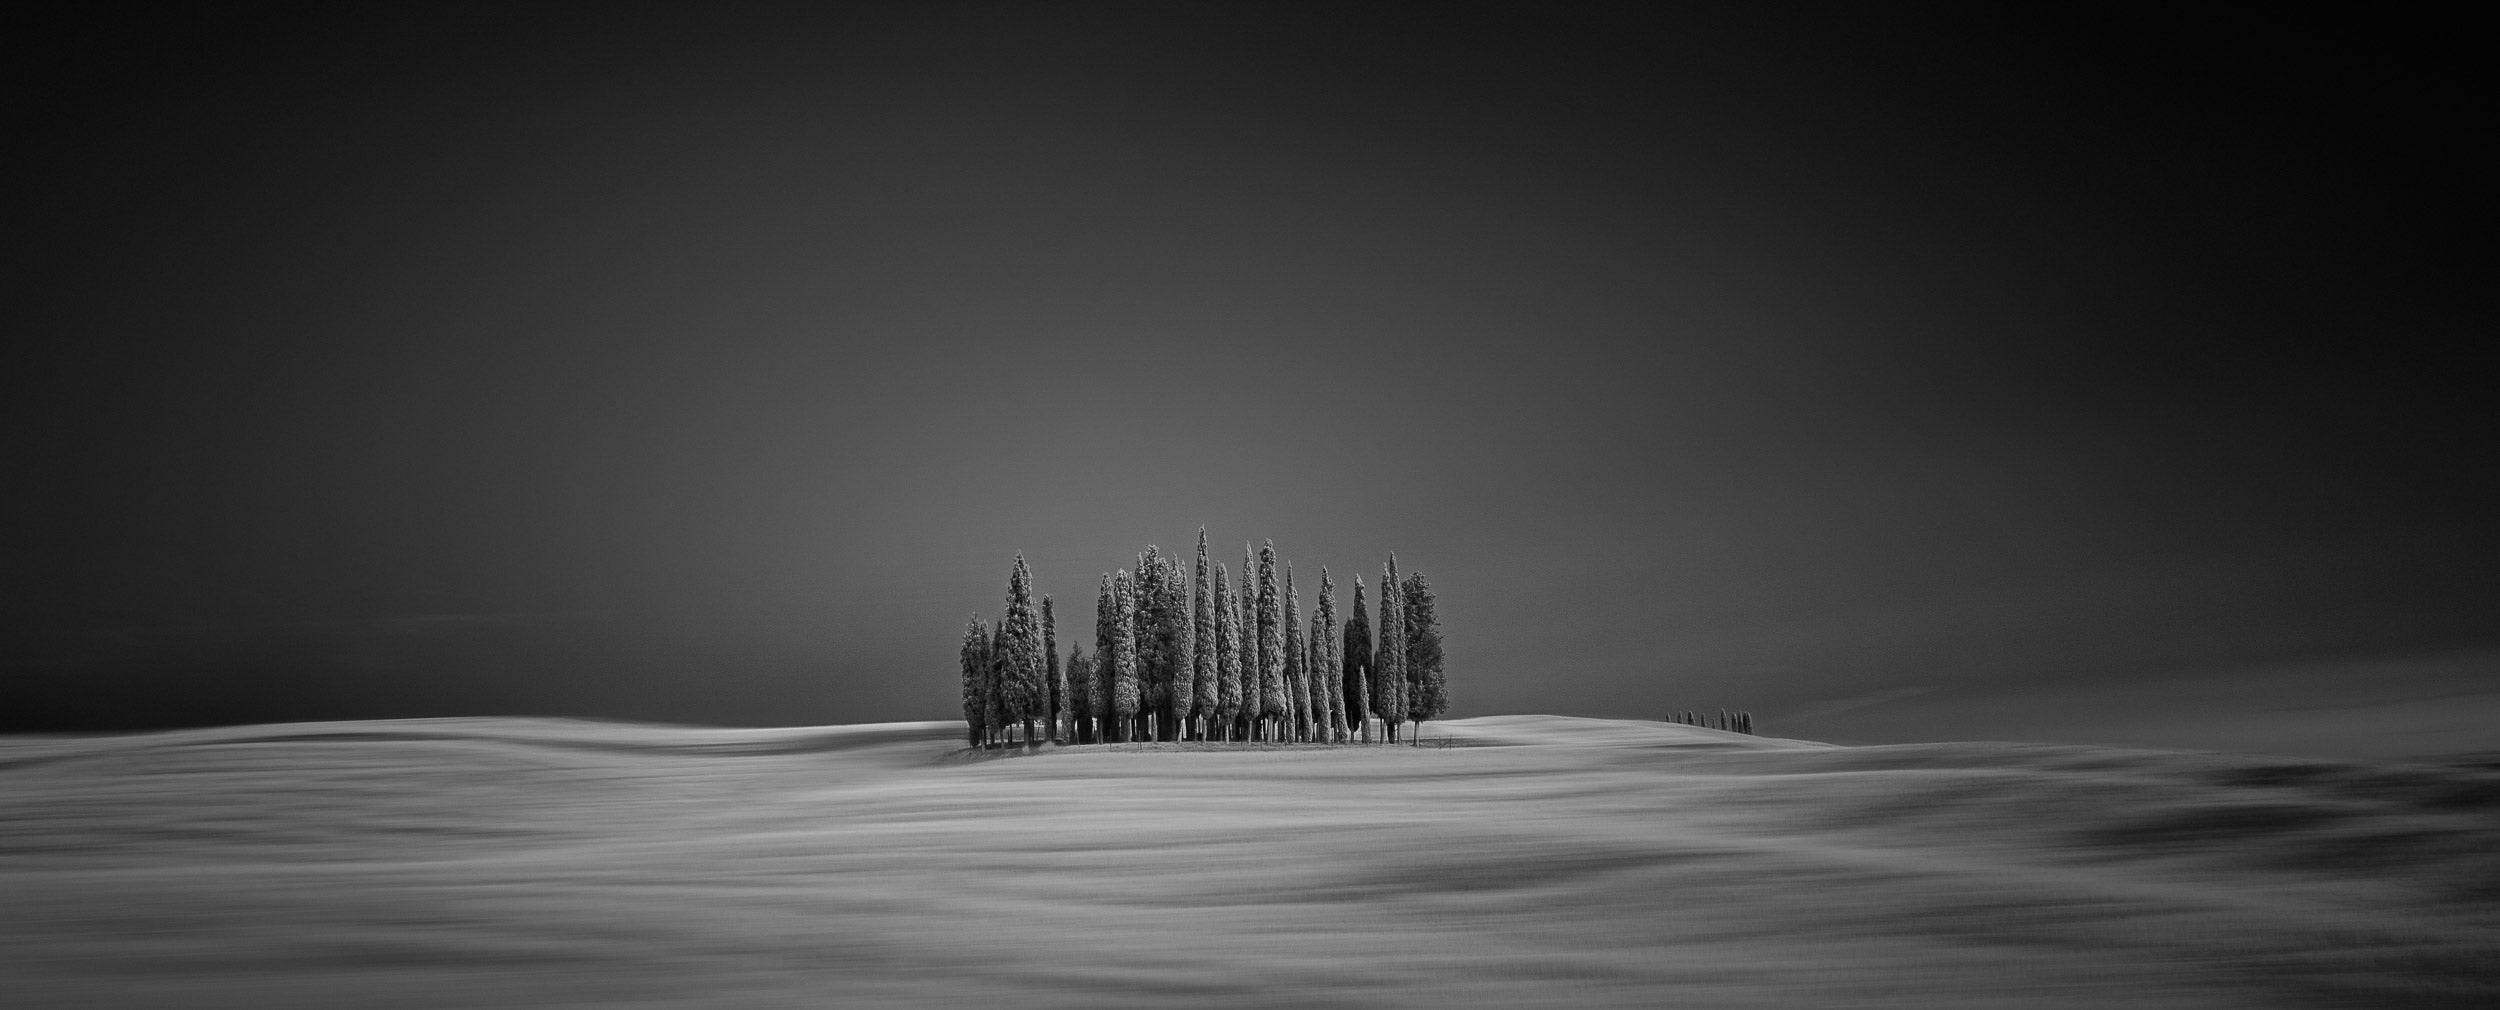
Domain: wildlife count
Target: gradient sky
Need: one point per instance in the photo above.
(1843, 365)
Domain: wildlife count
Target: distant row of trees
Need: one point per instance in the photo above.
(1733, 720)
(1183, 653)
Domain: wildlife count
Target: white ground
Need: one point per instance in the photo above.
(506, 862)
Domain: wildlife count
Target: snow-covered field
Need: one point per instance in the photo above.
(511, 862)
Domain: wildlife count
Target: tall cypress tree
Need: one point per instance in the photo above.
(976, 657)
(1098, 695)
(1020, 660)
(1107, 624)
(1328, 683)
(1313, 681)
(1227, 656)
(1003, 713)
(1314, 652)
(1052, 674)
(1202, 662)
(1153, 663)
(1253, 699)
(1184, 691)
(1179, 642)
(1271, 643)
(1122, 655)
(1356, 657)
(1389, 654)
(1297, 691)
(1080, 695)
(1427, 695)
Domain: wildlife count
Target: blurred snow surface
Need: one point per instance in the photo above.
(1513, 861)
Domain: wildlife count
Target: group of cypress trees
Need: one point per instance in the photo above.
(1185, 653)
(1732, 720)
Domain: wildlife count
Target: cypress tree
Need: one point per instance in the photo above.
(1080, 695)
(1297, 698)
(1356, 656)
(1098, 695)
(1202, 662)
(1322, 674)
(1271, 644)
(1328, 685)
(1002, 692)
(1020, 659)
(1427, 693)
(1121, 657)
(1108, 621)
(1179, 643)
(976, 657)
(1153, 663)
(1314, 652)
(1389, 654)
(1227, 657)
(1184, 691)
(1252, 697)
(1057, 678)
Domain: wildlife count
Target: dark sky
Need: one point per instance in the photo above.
(675, 366)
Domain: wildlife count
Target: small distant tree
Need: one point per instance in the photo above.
(1052, 674)
(1227, 656)
(1389, 655)
(1427, 695)
(1202, 661)
(1355, 655)
(976, 661)
(1271, 643)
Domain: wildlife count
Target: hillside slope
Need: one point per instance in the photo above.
(1543, 860)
